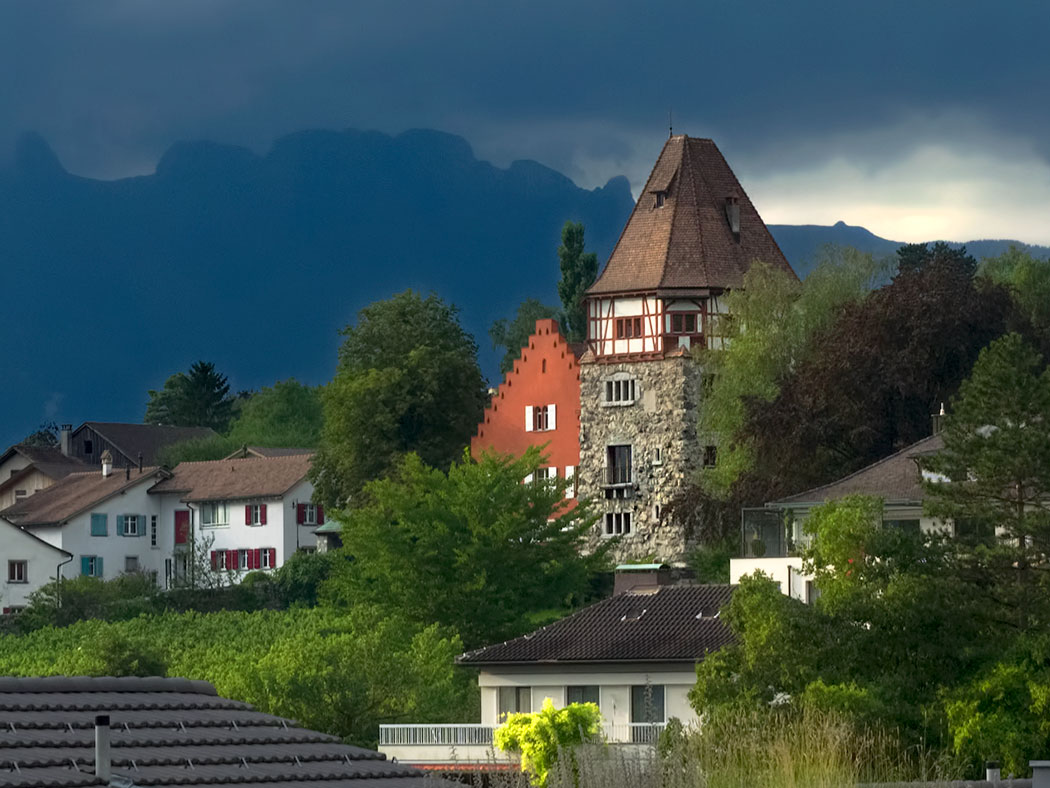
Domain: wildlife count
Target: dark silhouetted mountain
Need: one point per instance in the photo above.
(801, 243)
(256, 262)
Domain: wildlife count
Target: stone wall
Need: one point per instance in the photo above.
(660, 427)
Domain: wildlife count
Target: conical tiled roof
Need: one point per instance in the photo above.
(687, 243)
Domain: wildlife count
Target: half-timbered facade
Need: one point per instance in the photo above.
(692, 236)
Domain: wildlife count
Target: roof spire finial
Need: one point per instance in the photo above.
(670, 122)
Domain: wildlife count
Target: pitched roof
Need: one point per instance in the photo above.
(74, 494)
(252, 477)
(265, 451)
(149, 439)
(895, 479)
(668, 624)
(687, 243)
(171, 732)
(49, 460)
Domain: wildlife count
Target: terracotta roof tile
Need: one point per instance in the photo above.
(687, 244)
(251, 477)
(670, 624)
(74, 494)
(895, 479)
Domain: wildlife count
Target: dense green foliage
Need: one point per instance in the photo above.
(197, 398)
(473, 548)
(407, 381)
(544, 736)
(1028, 280)
(579, 269)
(513, 335)
(341, 672)
(44, 436)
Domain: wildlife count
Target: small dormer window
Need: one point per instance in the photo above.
(661, 197)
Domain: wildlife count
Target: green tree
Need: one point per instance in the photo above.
(914, 257)
(1028, 280)
(513, 335)
(543, 736)
(774, 320)
(474, 549)
(995, 470)
(197, 398)
(408, 381)
(287, 415)
(579, 269)
(45, 436)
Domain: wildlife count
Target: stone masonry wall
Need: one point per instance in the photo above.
(663, 416)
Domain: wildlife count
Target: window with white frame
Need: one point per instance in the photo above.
(214, 514)
(513, 700)
(620, 390)
(267, 558)
(617, 523)
(310, 514)
(546, 473)
(153, 530)
(541, 418)
(570, 474)
(242, 559)
(254, 515)
(17, 571)
(130, 524)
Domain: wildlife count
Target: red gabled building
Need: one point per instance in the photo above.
(538, 404)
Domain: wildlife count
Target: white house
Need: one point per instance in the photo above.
(770, 536)
(28, 562)
(633, 654)
(250, 514)
(25, 470)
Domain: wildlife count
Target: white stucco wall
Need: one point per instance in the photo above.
(41, 559)
(777, 568)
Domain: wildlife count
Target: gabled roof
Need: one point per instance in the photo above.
(687, 243)
(896, 479)
(265, 451)
(147, 439)
(7, 537)
(668, 624)
(76, 493)
(49, 460)
(167, 732)
(220, 480)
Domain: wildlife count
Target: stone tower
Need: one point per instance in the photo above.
(692, 236)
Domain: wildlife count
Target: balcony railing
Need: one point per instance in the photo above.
(481, 735)
(618, 474)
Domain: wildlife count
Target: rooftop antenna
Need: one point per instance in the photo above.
(670, 123)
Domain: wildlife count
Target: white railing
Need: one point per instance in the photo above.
(481, 735)
(452, 735)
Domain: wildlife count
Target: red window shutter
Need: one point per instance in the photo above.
(231, 559)
(257, 558)
(273, 557)
(300, 513)
(262, 514)
(214, 559)
(247, 515)
(320, 515)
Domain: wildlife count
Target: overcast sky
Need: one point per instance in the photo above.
(915, 119)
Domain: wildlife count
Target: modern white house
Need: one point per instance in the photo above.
(770, 537)
(633, 654)
(28, 562)
(248, 513)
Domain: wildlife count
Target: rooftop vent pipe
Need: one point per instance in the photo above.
(102, 757)
(65, 441)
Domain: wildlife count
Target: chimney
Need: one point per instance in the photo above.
(938, 421)
(102, 758)
(733, 216)
(641, 577)
(107, 463)
(65, 438)
(992, 772)
(140, 462)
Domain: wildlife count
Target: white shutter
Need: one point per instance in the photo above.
(528, 479)
(528, 418)
(552, 421)
(570, 471)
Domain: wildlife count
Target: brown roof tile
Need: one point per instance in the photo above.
(687, 244)
(171, 732)
(147, 439)
(895, 479)
(74, 494)
(670, 624)
(251, 477)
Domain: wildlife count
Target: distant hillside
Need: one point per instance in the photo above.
(801, 243)
(256, 262)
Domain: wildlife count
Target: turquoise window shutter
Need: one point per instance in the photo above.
(142, 524)
(85, 565)
(98, 566)
(120, 525)
(98, 525)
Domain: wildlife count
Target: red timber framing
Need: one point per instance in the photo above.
(602, 328)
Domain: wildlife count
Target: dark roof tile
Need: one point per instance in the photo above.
(669, 624)
(147, 439)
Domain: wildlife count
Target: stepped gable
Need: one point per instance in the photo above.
(668, 624)
(171, 731)
(687, 243)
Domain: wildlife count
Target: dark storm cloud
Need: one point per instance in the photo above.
(583, 86)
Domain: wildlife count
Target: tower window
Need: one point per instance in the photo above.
(628, 327)
(620, 391)
(618, 461)
(710, 456)
(685, 323)
(617, 523)
(661, 197)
